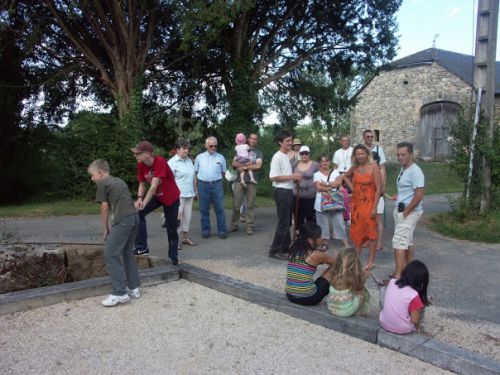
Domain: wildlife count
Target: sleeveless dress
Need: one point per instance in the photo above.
(363, 226)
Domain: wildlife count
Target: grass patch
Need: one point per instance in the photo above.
(56, 208)
(84, 207)
(439, 178)
(473, 227)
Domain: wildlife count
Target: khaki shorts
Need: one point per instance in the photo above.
(404, 228)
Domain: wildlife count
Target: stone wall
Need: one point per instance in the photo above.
(391, 103)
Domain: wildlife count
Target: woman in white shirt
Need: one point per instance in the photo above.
(331, 222)
(183, 169)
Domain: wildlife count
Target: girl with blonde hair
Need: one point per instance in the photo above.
(348, 295)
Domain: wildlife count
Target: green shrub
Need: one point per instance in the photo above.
(89, 136)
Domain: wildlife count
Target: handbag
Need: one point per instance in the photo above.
(332, 200)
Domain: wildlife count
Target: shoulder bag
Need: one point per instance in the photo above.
(332, 200)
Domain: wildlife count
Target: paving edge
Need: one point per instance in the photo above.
(50, 295)
(422, 347)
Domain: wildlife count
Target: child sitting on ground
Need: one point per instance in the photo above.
(304, 258)
(243, 156)
(114, 196)
(405, 299)
(348, 295)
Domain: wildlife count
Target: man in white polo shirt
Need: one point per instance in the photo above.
(283, 179)
(342, 157)
(410, 184)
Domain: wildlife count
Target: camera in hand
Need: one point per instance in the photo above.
(401, 207)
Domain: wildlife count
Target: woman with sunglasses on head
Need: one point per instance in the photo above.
(364, 180)
(305, 191)
(331, 222)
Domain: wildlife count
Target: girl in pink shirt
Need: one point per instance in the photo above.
(405, 299)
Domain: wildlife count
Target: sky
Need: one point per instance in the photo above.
(454, 21)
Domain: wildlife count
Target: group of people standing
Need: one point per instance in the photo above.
(297, 180)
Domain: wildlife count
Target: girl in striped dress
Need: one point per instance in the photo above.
(304, 257)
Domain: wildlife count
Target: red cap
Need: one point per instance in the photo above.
(143, 146)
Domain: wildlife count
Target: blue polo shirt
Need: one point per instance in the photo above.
(209, 167)
(407, 181)
(184, 175)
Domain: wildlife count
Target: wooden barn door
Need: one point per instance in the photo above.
(435, 119)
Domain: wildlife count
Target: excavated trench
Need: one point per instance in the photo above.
(33, 265)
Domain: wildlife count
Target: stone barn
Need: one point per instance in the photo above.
(414, 99)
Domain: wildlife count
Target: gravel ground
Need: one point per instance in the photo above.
(440, 322)
(184, 328)
(464, 275)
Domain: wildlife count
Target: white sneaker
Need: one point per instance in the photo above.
(113, 300)
(134, 293)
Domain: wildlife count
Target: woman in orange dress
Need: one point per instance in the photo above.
(365, 182)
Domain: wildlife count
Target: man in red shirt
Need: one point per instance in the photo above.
(163, 191)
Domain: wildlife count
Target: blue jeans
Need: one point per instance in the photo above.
(141, 241)
(212, 193)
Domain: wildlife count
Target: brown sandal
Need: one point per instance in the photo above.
(188, 241)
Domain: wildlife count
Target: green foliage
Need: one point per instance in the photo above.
(130, 109)
(89, 136)
(463, 224)
(440, 178)
(486, 146)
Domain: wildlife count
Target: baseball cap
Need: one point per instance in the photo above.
(304, 148)
(143, 146)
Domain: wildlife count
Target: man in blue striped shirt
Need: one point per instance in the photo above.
(210, 167)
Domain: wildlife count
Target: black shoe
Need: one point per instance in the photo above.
(223, 236)
(141, 251)
(205, 234)
(174, 262)
(279, 256)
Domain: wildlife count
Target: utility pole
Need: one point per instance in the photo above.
(484, 77)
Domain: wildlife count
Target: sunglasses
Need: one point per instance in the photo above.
(368, 136)
(400, 175)
(304, 153)
(212, 146)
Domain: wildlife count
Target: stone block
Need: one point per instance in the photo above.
(28, 266)
(439, 354)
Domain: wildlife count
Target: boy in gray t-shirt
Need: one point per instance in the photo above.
(114, 196)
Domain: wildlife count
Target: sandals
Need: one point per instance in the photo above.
(188, 241)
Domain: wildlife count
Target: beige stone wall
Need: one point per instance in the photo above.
(391, 103)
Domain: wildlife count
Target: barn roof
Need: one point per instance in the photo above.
(457, 63)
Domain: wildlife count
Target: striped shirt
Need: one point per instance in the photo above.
(299, 278)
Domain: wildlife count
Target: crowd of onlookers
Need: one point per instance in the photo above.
(320, 202)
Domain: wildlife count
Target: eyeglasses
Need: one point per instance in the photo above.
(368, 136)
(304, 153)
(212, 146)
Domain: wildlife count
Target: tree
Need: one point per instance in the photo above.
(267, 40)
(102, 50)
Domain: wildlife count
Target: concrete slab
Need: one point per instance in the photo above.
(357, 327)
(439, 354)
(33, 298)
